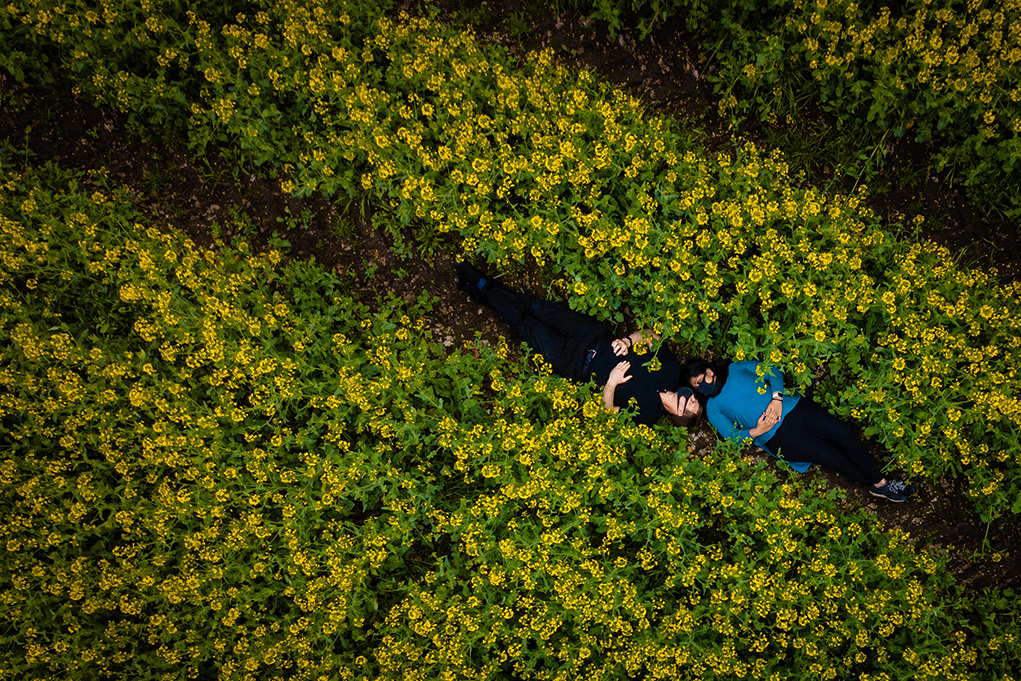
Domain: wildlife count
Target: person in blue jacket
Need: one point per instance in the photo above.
(741, 404)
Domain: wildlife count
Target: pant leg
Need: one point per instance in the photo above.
(810, 433)
(564, 320)
(558, 333)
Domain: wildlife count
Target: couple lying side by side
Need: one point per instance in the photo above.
(582, 348)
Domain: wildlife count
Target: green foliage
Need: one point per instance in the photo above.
(221, 464)
(252, 476)
(947, 71)
(533, 162)
(178, 437)
(646, 15)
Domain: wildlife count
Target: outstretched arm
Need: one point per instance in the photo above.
(617, 376)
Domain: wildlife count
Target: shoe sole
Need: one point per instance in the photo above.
(883, 496)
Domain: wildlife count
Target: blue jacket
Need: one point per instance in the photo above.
(737, 408)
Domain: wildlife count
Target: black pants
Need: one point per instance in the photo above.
(561, 335)
(810, 433)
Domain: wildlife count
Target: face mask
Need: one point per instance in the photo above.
(707, 389)
(683, 395)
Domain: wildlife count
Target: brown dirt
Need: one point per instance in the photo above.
(194, 194)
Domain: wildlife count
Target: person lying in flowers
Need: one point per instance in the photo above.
(582, 348)
(741, 404)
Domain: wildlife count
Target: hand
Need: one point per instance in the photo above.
(766, 422)
(775, 409)
(622, 345)
(618, 374)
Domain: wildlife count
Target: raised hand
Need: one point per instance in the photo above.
(622, 345)
(619, 375)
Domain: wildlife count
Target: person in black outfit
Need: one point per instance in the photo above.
(581, 348)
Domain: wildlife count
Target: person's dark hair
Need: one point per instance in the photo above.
(685, 420)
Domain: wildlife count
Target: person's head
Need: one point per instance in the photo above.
(685, 409)
(705, 377)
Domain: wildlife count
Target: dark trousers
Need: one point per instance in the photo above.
(561, 335)
(810, 433)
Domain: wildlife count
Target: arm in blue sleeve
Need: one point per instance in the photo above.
(775, 378)
(725, 426)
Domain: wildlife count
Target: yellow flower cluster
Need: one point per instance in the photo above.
(225, 471)
(925, 69)
(547, 165)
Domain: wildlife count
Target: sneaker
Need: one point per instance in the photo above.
(902, 487)
(893, 490)
(472, 281)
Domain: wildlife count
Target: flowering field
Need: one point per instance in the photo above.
(216, 465)
(532, 162)
(219, 464)
(947, 71)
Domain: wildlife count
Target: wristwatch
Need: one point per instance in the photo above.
(778, 396)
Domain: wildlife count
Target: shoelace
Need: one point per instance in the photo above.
(895, 486)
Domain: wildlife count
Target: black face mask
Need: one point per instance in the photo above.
(707, 389)
(683, 394)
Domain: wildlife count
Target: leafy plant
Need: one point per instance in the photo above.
(534, 162)
(257, 475)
